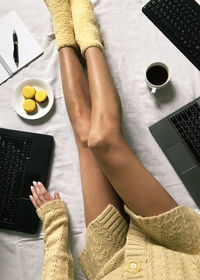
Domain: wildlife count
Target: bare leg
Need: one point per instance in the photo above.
(97, 191)
(131, 180)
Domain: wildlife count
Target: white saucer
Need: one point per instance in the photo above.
(42, 108)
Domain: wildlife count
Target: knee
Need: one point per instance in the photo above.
(90, 140)
(96, 140)
(81, 131)
(102, 140)
(83, 139)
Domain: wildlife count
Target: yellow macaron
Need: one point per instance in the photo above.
(28, 92)
(40, 95)
(29, 105)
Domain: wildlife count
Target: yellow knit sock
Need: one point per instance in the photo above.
(60, 11)
(86, 28)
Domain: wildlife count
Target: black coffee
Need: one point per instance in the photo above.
(157, 75)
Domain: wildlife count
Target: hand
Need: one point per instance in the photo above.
(40, 195)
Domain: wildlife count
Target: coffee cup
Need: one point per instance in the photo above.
(157, 76)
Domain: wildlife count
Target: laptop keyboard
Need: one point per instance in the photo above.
(187, 124)
(179, 20)
(13, 153)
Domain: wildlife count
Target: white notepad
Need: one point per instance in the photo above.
(28, 48)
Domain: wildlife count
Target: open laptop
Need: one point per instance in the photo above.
(24, 158)
(179, 137)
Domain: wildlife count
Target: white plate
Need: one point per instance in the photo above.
(42, 108)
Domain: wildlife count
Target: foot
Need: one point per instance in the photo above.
(60, 11)
(86, 28)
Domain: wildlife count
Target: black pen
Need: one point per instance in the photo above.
(15, 50)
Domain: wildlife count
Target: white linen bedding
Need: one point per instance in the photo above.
(132, 42)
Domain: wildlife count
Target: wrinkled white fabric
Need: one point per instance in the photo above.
(132, 42)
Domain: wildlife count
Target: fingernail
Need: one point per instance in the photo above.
(34, 183)
(32, 188)
(39, 183)
(30, 196)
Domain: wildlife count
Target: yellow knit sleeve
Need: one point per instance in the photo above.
(58, 261)
(177, 229)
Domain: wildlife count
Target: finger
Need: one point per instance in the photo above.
(38, 191)
(33, 201)
(35, 196)
(56, 195)
(44, 192)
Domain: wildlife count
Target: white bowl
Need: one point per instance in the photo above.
(42, 108)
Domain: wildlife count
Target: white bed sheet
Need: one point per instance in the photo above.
(132, 42)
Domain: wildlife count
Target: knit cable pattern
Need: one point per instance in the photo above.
(177, 229)
(165, 247)
(58, 261)
(105, 236)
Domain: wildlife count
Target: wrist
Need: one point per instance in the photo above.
(52, 208)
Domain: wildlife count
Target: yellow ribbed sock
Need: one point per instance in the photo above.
(60, 11)
(86, 28)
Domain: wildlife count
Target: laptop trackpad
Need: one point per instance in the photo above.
(28, 181)
(180, 157)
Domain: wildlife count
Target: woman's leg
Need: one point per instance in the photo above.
(97, 191)
(131, 180)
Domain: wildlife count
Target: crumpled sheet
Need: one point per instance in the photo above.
(131, 42)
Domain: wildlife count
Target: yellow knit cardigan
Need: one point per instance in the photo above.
(164, 247)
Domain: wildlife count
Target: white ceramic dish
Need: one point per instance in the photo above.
(42, 108)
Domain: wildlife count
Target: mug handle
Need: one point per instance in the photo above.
(153, 91)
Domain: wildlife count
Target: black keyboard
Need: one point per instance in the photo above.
(13, 154)
(187, 124)
(179, 20)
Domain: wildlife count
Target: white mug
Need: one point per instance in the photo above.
(157, 76)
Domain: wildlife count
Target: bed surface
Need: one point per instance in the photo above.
(132, 42)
